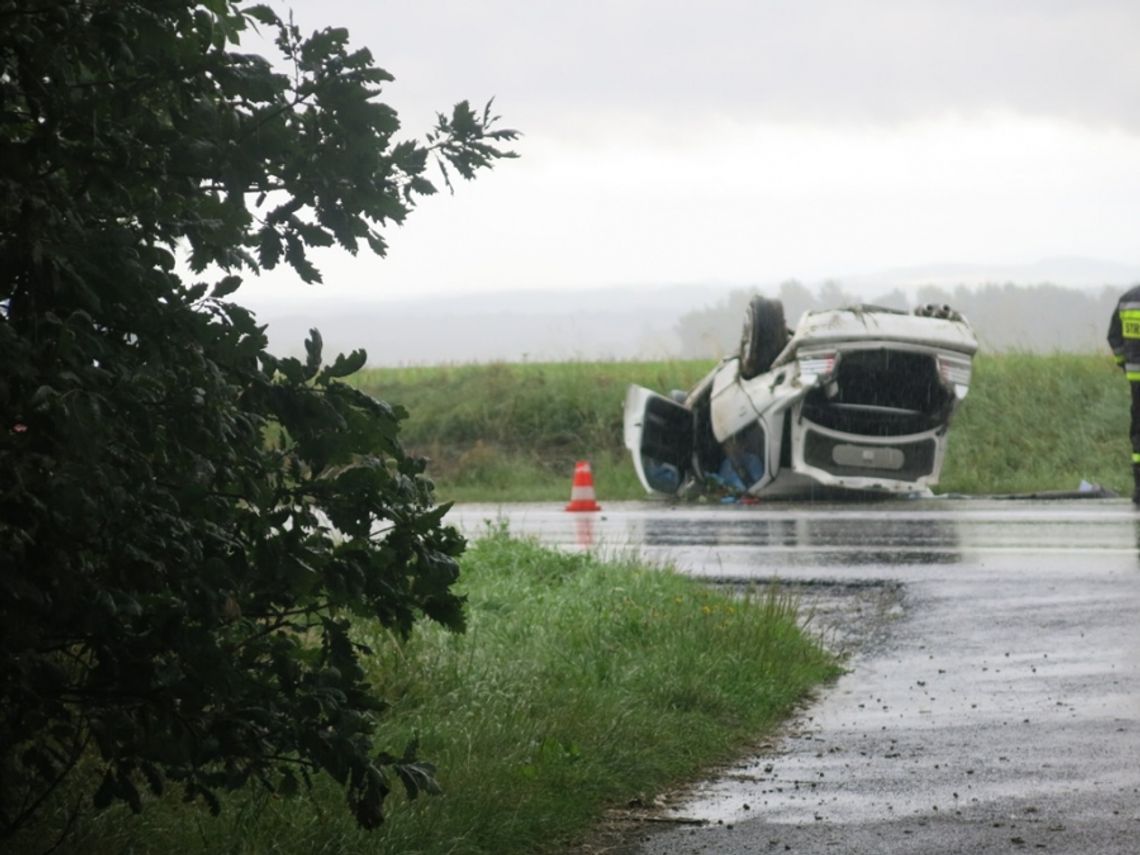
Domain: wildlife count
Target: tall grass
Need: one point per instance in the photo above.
(1035, 423)
(579, 684)
(512, 432)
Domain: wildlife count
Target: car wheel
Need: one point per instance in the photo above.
(764, 335)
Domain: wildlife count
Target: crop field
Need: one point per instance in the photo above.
(512, 432)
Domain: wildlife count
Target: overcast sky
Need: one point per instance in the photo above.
(751, 141)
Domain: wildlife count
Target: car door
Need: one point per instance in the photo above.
(659, 434)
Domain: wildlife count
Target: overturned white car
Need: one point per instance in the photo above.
(858, 398)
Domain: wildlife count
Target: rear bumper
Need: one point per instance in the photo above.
(895, 464)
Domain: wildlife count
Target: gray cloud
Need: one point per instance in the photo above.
(820, 61)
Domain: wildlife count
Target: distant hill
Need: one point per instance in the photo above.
(610, 324)
(1058, 304)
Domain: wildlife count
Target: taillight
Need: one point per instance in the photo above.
(954, 369)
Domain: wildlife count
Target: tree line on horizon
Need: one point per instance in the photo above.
(1040, 318)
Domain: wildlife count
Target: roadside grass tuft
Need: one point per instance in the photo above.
(580, 684)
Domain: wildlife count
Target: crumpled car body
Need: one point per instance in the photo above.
(856, 399)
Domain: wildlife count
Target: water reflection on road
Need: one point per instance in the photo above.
(883, 539)
(817, 540)
(999, 712)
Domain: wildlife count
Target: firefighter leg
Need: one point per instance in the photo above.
(1135, 435)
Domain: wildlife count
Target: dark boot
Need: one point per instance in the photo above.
(1136, 483)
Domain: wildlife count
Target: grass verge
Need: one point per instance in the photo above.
(580, 684)
(1035, 423)
(512, 432)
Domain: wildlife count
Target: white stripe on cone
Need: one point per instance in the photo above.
(582, 496)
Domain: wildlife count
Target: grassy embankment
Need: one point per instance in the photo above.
(512, 432)
(579, 684)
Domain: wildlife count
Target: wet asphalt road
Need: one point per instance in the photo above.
(993, 697)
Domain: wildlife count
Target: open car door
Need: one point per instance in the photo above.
(659, 433)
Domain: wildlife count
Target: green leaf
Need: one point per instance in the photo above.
(226, 286)
(418, 778)
(263, 14)
(195, 292)
(313, 345)
(269, 247)
(343, 366)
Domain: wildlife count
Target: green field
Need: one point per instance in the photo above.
(502, 432)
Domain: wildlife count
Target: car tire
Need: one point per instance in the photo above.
(764, 335)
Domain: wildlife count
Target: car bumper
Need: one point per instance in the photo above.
(894, 464)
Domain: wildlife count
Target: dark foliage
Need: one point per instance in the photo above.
(188, 525)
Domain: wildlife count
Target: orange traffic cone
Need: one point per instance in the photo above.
(582, 489)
